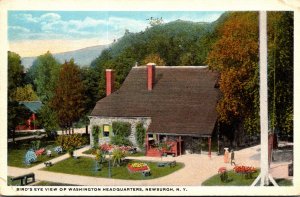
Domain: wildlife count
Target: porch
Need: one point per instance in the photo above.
(158, 145)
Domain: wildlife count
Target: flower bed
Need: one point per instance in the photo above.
(109, 147)
(39, 152)
(137, 167)
(223, 174)
(246, 170)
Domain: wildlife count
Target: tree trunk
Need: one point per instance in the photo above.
(86, 129)
(72, 130)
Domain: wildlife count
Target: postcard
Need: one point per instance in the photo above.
(146, 97)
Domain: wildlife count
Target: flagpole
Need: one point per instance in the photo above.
(264, 175)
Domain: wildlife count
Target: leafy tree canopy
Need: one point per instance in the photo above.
(68, 101)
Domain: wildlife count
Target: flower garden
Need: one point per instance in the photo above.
(29, 154)
(109, 161)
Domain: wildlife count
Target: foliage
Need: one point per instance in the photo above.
(58, 149)
(223, 174)
(44, 75)
(69, 100)
(48, 118)
(15, 72)
(30, 157)
(121, 129)
(175, 43)
(117, 156)
(234, 179)
(71, 142)
(154, 58)
(25, 93)
(90, 80)
(281, 66)
(120, 141)
(16, 114)
(235, 56)
(95, 133)
(35, 145)
(140, 135)
(100, 156)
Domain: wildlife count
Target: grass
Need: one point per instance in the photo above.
(239, 180)
(41, 183)
(234, 180)
(48, 183)
(16, 154)
(89, 151)
(87, 167)
(13, 183)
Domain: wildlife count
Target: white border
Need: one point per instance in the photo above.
(148, 5)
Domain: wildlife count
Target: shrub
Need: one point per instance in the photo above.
(71, 142)
(117, 156)
(121, 129)
(35, 145)
(30, 157)
(140, 135)
(95, 133)
(120, 140)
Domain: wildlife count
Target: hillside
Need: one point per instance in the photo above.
(82, 57)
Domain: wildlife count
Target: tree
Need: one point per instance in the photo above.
(154, 58)
(16, 114)
(235, 56)
(48, 118)
(15, 72)
(281, 66)
(25, 93)
(69, 99)
(44, 72)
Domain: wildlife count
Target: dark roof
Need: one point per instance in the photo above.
(183, 100)
(33, 106)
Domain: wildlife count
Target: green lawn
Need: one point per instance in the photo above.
(16, 154)
(87, 167)
(48, 183)
(239, 180)
(13, 183)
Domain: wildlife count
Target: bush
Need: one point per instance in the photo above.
(121, 129)
(95, 133)
(71, 142)
(120, 140)
(118, 155)
(140, 135)
(35, 145)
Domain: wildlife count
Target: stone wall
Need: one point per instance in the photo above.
(100, 121)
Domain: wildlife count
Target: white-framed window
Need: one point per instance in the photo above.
(106, 129)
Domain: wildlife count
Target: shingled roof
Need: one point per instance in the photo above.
(183, 100)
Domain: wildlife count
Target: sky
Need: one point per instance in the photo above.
(32, 33)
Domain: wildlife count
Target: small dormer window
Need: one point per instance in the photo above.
(106, 130)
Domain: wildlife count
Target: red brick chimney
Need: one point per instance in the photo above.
(110, 81)
(151, 75)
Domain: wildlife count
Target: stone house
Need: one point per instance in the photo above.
(175, 104)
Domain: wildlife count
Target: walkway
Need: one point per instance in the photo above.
(197, 169)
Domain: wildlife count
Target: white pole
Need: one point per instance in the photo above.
(263, 70)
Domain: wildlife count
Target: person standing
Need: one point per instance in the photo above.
(232, 160)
